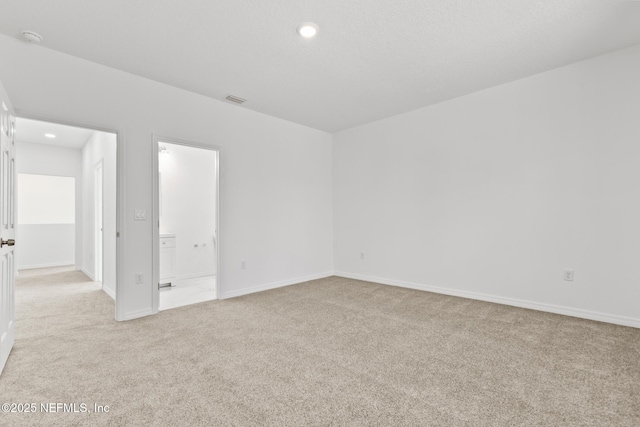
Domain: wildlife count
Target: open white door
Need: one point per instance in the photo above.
(7, 227)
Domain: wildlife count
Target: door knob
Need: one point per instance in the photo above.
(9, 242)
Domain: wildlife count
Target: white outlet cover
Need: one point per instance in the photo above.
(568, 274)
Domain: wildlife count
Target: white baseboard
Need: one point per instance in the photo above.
(109, 292)
(136, 314)
(551, 308)
(274, 285)
(47, 265)
(193, 275)
(89, 275)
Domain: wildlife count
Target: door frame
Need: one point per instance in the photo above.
(155, 218)
(98, 212)
(120, 313)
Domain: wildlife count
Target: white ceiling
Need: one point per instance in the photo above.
(33, 131)
(371, 58)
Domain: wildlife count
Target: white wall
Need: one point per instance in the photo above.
(493, 194)
(275, 176)
(188, 207)
(46, 199)
(45, 245)
(100, 148)
(35, 246)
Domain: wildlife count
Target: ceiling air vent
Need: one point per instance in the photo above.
(235, 99)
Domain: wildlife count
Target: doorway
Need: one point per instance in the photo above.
(186, 205)
(77, 169)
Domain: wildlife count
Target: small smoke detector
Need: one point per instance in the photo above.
(31, 36)
(235, 99)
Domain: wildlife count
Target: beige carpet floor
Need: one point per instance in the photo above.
(329, 352)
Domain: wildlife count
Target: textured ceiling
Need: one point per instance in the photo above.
(371, 58)
(66, 136)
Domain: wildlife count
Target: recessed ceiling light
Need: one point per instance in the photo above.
(307, 29)
(31, 36)
(49, 135)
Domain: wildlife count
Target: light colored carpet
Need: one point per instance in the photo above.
(327, 352)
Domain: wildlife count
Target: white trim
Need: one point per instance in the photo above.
(98, 164)
(109, 292)
(46, 265)
(193, 275)
(274, 285)
(121, 224)
(155, 226)
(106, 290)
(136, 314)
(550, 308)
(89, 275)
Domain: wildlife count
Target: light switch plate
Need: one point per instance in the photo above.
(140, 214)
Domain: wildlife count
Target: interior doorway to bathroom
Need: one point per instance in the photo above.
(186, 238)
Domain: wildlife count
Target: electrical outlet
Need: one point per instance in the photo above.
(139, 278)
(568, 274)
(361, 255)
(243, 265)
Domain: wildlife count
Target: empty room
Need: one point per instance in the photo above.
(418, 213)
